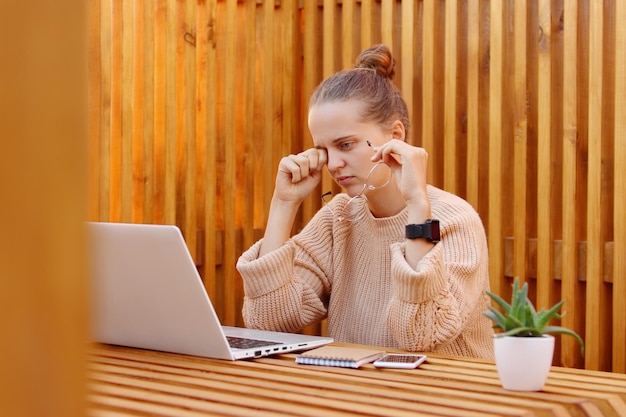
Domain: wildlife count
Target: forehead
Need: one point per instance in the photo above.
(329, 121)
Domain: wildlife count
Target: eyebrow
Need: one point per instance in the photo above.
(336, 140)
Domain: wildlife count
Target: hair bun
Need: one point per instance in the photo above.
(378, 58)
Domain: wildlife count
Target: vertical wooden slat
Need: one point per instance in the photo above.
(544, 155)
(210, 245)
(367, 23)
(170, 95)
(230, 61)
(473, 98)
(329, 34)
(450, 180)
(570, 355)
(428, 83)
(137, 114)
(262, 184)
(160, 111)
(126, 117)
(149, 111)
(249, 127)
(191, 104)
(348, 52)
(268, 99)
(494, 231)
(180, 114)
(104, 194)
(115, 158)
(200, 127)
(291, 52)
(619, 233)
(386, 20)
(202, 40)
(594, 183)
(484, 53)
(408, 61)
(185, 145)
(520, 118)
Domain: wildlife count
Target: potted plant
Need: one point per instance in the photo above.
(525, 347)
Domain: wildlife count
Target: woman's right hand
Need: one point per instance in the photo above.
(298, 175)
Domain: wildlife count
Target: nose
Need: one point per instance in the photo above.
(334, 161)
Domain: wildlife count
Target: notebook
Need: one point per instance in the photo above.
(342, 356)
(147, 293)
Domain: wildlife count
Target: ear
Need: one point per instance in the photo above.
(397, 130)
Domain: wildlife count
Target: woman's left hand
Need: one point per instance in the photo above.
(409, 165)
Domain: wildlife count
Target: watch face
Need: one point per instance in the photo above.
(434, 229)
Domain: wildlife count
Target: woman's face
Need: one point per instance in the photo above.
(338, 128)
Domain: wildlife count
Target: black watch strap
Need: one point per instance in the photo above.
(428, 231)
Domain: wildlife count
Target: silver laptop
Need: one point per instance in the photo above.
(147, 293)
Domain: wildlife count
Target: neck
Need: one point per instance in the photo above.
(386, 202)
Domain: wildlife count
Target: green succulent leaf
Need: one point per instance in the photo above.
(497, 317)
(500, 301)
(545, 316)
(569, 332)
(519, 299)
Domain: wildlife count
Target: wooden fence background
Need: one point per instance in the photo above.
(520, 103)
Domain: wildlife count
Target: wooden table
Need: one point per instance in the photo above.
(133, 382)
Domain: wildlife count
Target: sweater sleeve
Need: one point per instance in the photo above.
(287, 289)
(432, 304)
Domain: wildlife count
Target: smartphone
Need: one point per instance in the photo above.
(400, 360)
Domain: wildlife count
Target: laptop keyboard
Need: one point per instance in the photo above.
(244, 343)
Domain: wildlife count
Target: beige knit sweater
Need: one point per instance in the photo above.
(355, 274)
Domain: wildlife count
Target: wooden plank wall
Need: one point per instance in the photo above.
(520, 103)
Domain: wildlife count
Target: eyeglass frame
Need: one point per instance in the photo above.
(359, 195)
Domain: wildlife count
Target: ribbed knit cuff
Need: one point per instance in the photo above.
(267, 273)
(423, 284)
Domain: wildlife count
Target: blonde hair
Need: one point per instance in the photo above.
(370, 81)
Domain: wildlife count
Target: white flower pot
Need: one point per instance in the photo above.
(523, 363)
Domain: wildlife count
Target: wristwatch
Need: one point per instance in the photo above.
(428, 231)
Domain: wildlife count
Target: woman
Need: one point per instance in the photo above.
(372, 260)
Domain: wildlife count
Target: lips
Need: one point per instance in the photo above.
(344, 180)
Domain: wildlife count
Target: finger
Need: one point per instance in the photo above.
(317, 158)
(291, 165)
(390, 156)
(306, 163)
(377, 153)
(382, 152)
(322, 158)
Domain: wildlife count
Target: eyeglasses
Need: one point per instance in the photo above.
(351, 211)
